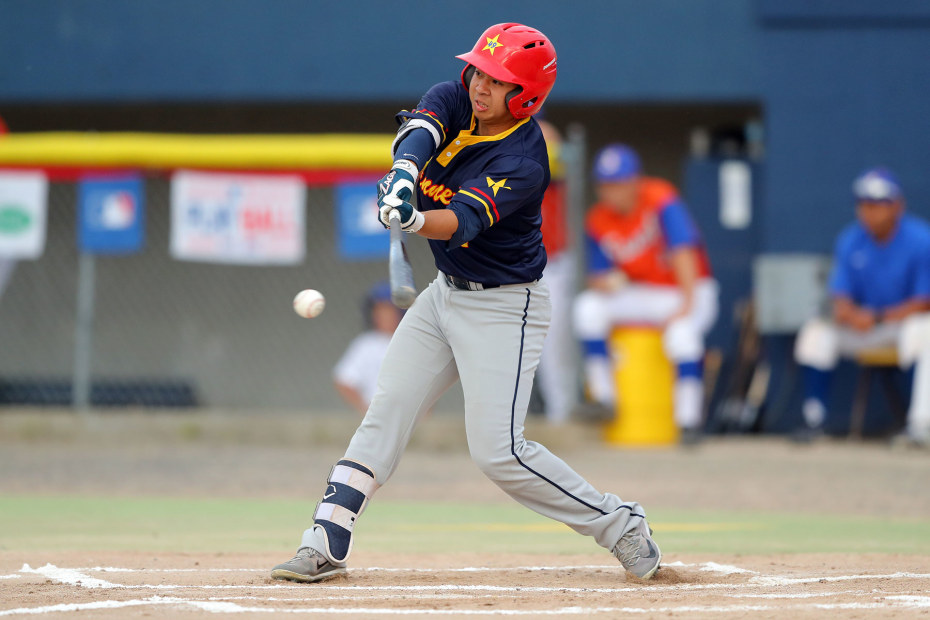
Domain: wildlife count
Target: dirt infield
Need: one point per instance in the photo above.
(210, 456)
(175, 585)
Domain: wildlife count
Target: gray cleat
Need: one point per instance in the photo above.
(308, 565)
(637, 552)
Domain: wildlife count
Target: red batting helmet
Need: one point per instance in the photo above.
(518, 54)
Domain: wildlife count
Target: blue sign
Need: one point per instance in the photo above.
(111, 215)
(361, 235)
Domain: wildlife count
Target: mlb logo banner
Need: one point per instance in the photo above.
(111, 215)
(23, 208)
(237, 218)
(361, 235)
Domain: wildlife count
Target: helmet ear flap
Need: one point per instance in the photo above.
(517, 107)
(467, 74)
(516, 91)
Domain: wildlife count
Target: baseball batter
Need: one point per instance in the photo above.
(478, 164)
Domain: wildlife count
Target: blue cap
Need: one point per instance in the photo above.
(616, 162)
(381, 291)
(877, 184)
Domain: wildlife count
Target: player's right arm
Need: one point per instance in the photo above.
(846, 311)
(849, 314)
(441, 112)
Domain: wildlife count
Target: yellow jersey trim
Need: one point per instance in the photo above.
(466, 137)
(487, 207)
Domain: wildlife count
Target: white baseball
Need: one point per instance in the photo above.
(309, 303)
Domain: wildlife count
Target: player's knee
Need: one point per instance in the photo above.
(914, 338)
(589, 316)
(491, 457)
(816, 345)
(683, 341)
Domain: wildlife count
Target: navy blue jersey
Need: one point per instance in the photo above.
(494, 184)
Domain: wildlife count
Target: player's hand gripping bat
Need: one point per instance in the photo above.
(403, 290)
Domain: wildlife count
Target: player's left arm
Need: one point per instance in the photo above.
(684, 264)
(918, 300)
(682, 239)
(503, 187)
(899, 312)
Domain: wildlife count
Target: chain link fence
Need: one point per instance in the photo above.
(166, 332)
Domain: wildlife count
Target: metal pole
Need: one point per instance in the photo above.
(574, 160)
(83, 333)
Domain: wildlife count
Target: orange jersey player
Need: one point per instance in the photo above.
(641, 233)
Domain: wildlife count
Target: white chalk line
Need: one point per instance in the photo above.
(375, 569)
(75, 577)
(225, 604)
(898, 602)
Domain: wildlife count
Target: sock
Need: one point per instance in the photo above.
(816, 390)
(599, 372)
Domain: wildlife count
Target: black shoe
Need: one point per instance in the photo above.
(690, 437)
(593, 412)
(807, 434)
(308, 565)
(906, 441)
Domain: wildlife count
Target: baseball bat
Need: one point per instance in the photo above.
(403, 290)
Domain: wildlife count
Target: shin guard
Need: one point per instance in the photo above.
(348, 489)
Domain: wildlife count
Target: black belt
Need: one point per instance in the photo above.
(467, 285)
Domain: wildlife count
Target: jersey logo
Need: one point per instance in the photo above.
(496, 185)
(492, 44)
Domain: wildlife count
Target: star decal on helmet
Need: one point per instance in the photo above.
(496, 185)
(492, 44)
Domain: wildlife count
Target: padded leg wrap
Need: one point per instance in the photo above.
(348, 489)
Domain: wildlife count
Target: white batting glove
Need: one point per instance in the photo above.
(411, 220)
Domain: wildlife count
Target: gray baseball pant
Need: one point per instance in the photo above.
(491, 340)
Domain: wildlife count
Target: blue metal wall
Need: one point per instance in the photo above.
(845, 85)
(362, 50)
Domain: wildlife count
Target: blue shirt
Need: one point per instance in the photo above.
(494, 184)
(881, 275)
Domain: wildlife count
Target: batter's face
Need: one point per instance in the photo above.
(620, 196)
(489, 103)
(880, 217)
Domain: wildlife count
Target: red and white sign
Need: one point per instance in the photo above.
(237, 218)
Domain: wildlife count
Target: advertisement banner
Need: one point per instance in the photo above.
(237, 218)
(361, 235)
(23, 205)
(111, 215)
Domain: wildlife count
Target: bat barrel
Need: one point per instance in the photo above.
(403, 291)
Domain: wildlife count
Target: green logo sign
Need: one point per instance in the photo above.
(13, 219)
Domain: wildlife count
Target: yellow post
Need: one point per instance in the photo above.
(645, 386)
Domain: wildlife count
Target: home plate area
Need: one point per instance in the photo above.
(802, 586)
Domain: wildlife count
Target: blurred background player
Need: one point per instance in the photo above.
(555, 382)
(646, 266)
(483, 320)
(880, 289)
(356, 374)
